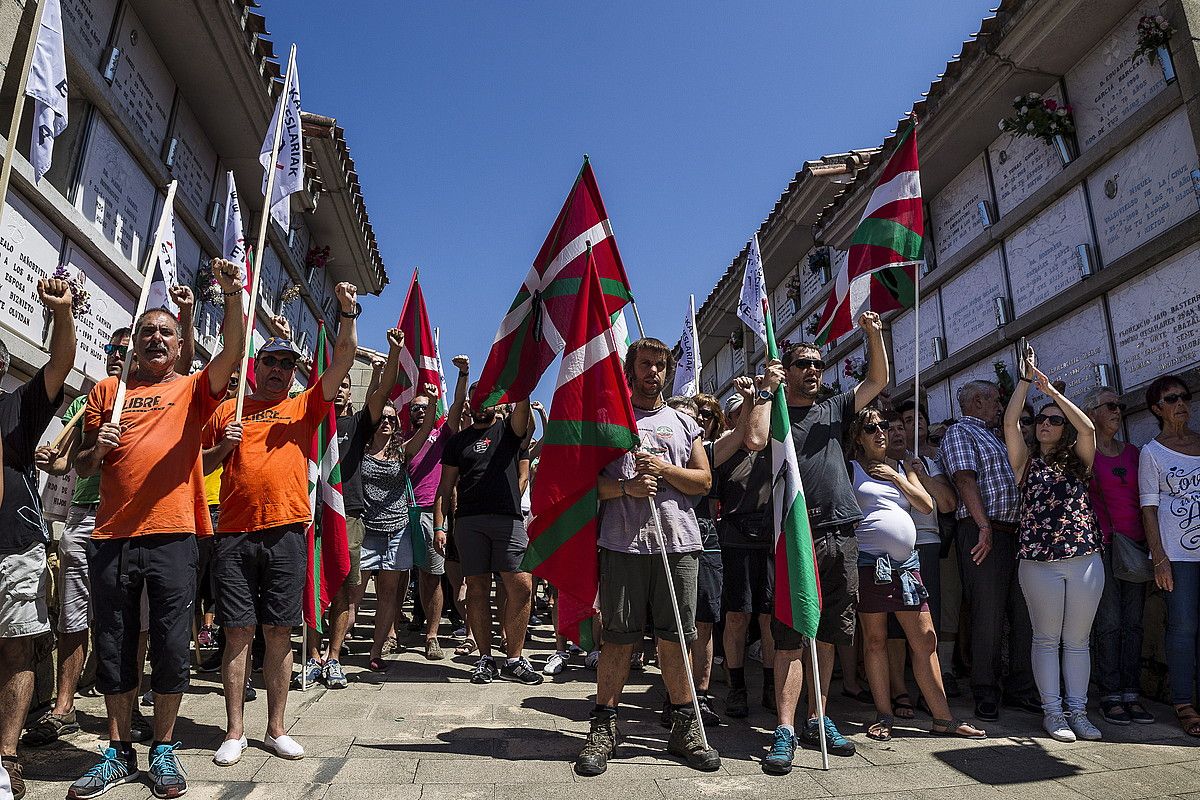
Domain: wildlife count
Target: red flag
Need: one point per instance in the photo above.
(418, 361)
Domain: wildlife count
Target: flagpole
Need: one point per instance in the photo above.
(263, 222)
(660, 540)
(816, 682)
(917, 358)
(143, 299)
(14, 126)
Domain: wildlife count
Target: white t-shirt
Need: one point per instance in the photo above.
(1171, 481)
(928, 531)
(886, 526)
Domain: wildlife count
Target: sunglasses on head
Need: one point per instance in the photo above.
(1175, 397)
(1026, 420)
(809, 363)
(271, 362)
(877, 427)
(120, 349)
(1111, 406)
(1057, 420)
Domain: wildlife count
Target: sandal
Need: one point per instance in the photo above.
(466, 648)
(377, 665)
(1189, 720)
(881, 730)
(50, 728)
(433, 650)
(862, 696)
(903, 710)
(957, 728)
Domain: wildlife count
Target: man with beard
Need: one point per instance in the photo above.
(151, 511)
(482, 463)
(262, 552)
(671, 469)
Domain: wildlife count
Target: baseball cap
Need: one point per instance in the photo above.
(278, 344)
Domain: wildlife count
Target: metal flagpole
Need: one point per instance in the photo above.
(660, 540)
(816, 686)
(917, 358)
(263, 222)
(14, 126)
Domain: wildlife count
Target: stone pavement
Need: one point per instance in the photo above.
(423, 732)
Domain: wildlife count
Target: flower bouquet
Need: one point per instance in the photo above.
(1153, 34)
(1043, 118)
(81, 299)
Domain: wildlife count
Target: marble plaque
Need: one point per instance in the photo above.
(189, 255)
(1070, 349)
(903, 352)
(1107, 85)
(968, 301)
(112, 307)
(1141, 427)
(55, 491)
(268, 290)
(301, 240)
(1041, 255)
(29, 251)
(142, 87)
(708, 377)
(781, 304)
(86, 24)
(195, 162)
(982, 370)
(724, 365)
(1022, 164)
(738, 355)
(810, 286)
(955, 211)
(1146, 188)
(937, 402)
(115, 194)
(1155, 320)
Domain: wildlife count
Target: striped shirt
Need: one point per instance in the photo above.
(971, 445)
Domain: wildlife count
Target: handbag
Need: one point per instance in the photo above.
(1131, 560)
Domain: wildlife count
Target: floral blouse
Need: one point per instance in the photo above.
(1056, 520)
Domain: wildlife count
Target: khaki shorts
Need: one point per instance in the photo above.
(355, 533)
(435, 560)
(74, 584)
(630, 583)
(24, 581)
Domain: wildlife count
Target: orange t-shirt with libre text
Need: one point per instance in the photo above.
(153, 481)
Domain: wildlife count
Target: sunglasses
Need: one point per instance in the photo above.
(877, 427)
(271, 362)
(809, 363)
(704, 413)
(1175, 397)
(1026, 421)
(1111, 406)
(387, 420)
(120, 349)
(1057, 420)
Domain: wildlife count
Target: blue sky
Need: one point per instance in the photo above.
(468, 123)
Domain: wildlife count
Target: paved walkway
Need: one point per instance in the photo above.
(423, 732)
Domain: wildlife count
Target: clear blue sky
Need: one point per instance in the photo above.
(468, 123)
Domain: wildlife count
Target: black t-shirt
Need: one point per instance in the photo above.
(354, 432)
(747, 515)
(817, 433)
(487, 459)
(24, 415)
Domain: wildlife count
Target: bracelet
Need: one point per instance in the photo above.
(1162, 560)
(440, 529)
(1023, 378)
(621, 483)
(462, 374)
(231, 294)
(356, 314)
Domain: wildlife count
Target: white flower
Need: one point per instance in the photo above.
(1062, 112)
(1159, 19)
(1001, 125)
(1034, 96)
(1164, 25)
(1018, 99)
(1024, 110)
(1029, 127)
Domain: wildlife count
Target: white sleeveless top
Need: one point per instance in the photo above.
(886, 526)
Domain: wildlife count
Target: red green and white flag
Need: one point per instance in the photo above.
(533, 330)
(797, 584)
(887, 246)
(328, 547)
(591, 424)
(419, 359)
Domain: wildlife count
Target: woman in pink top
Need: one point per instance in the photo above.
(1118, 625)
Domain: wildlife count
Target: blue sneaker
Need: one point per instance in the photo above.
(335, 677)
(112, 771)
(783, 750)
(167, 776)
(312, 673)
(837, 744)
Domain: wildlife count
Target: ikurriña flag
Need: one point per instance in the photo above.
(419, 362)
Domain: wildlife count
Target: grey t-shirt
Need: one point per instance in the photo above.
(817, 433)
(625, 523)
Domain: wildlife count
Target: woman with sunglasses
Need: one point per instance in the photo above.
(889, 580)
(1118, 626)
(1169, 485)
(1058, 545)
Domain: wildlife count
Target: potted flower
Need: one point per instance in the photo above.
(1004, 380)
(1153, 35)
(855, 368)
(289, 296)
(795, 286)
(1045, 119)
(81, 299)
(818, 264)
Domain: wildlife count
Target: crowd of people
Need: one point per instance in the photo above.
(1017, 547)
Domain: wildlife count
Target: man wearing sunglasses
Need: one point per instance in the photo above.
(818, 426)
(261, 552)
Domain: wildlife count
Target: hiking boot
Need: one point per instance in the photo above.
(707, 715)
(167, 776)
(15, 780)
(485, 670)
(783, 750)
(521, 671)
(140, 728)
(836, 744)
(113, 770)
(687, 742)
(601, 745)
(334, 677)
(737, 703)
(49, 728)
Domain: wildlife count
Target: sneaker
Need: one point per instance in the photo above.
(167, 776)
(687, 742)
(113, 770)
(601, 745)
(313, 671)
(433, 650)
(1083, 727)
(140, 728)
(16, 781)
(592, 659)
(210, 664)
(783, 750)
(251, 695)
(148, 699)
(522, 671)
(1056, 725)
(49, 728)
(284, 747)
(485, 670)
(1114, 712)
(333, 675)
(1138, 713)
(576, 650)
(460, 632)
(737, 703)
(556, 662)
(837, 744)
(534, 620)
(707, 715)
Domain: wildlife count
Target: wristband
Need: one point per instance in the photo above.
(1023, 378)
(440, 529)
(462, 374)
(231, 294)
(356, 314)
(1162, 560)
(621, 483)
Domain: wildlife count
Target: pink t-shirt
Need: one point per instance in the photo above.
(425, 468)
(1114, 492)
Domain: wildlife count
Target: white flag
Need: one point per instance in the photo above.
(754, 291)
(234, 248)
(48, 88)
(289, 163)
(166, 269)
(687, 371)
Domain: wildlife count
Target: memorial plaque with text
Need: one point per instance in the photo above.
(1041, 255)
(1107, 85)
(982, 370)
(1022, 164)
(29, 251)
(903, 351)
(1146, 188)
(1156, 320)
(112, 307)
(142, 86)
(781, 304)
(724, 365)
(955, 211)
(937, 402)
(114, 193)
(739, 359)
(810, 282)
(55, 491)
(1070, 349)
(301, 239)
(195, 162)
(86, 24)
(968, 301)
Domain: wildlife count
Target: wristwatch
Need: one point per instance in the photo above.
(762, 395)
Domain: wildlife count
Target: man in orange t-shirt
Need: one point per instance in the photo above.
(151, 510)
(261, 553)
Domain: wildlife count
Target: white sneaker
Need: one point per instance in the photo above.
(284, 747)
(556, 662)
(230, 752)
(1056, 725)
(1083, 727)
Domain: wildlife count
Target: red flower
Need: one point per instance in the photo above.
(1050, 104)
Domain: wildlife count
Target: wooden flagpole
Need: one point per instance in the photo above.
(14, 126)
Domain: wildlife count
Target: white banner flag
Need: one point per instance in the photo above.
(687, 371)
(754, 291)
(234, 248)
(289, 163)
(166, 268)
(48, 88)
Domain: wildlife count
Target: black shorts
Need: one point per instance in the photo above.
(749, 580)
(260, 577)
(709, 581)
(205, 590)
(490, 543)
(164, 566)
(837, 567)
